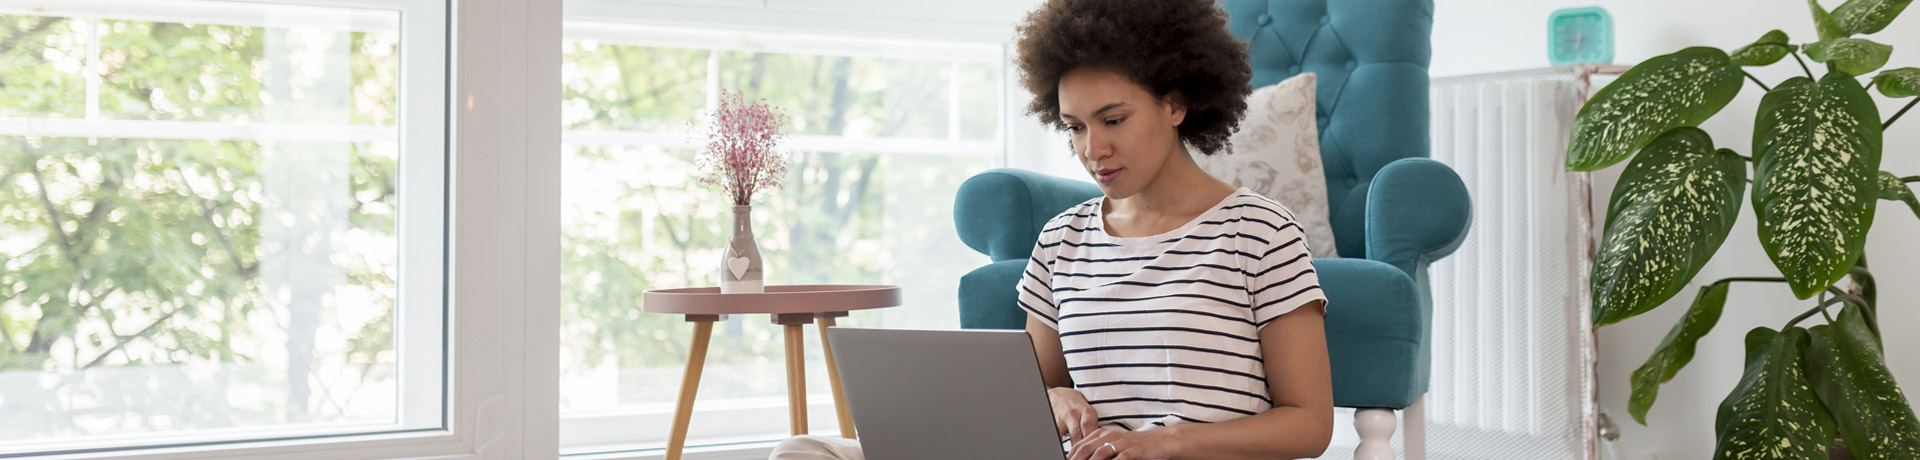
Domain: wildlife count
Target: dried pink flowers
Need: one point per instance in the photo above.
(739, 158)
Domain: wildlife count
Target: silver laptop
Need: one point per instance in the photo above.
(937, 395)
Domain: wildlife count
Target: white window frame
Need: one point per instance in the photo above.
(502, 265)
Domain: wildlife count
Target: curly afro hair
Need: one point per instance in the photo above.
(1177, 48)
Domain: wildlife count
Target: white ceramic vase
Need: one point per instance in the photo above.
(740, 268)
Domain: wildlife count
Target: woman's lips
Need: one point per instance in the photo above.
(1107, 176)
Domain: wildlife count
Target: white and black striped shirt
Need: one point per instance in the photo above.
(1163, 329)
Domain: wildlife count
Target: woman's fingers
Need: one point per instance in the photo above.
(1067, 408)
(1089, 420)
(1094, 446)
(1077, 426)
(1081, 450)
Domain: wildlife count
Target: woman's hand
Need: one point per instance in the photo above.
(1072, 416)
(1105, 444)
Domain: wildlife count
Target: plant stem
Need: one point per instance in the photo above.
(1873, 321)
(1869, 86)
(1896, 115)
(1909, 179)
(1862, 278)
(1803, 64)
(1837, 298)
(1810, 312)
(1751, 279)
(1756, 80)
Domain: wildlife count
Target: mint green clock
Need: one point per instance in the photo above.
(1580, 36)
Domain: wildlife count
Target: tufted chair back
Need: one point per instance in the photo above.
(1371, 57)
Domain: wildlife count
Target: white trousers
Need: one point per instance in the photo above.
(817, 448)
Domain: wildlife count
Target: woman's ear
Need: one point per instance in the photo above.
(1176, 108)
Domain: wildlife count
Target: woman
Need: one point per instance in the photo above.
(1176, 316)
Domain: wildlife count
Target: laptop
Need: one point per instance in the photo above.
(940, 395)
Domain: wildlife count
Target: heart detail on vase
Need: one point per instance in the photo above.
(737, 265)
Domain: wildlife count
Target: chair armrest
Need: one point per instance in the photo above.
(999, 212)
(989, 296)
(1418, 211)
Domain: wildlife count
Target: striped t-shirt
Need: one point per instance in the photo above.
(1163, 329)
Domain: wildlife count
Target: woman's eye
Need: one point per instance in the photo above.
(1116, 121)
(1074, 128)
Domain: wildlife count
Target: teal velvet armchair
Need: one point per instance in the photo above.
(1393, 211)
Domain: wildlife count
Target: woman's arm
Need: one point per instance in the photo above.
(1300, 424)
(1046, 347)
(1072, 415)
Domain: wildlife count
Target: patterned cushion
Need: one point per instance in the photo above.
(1276, 153)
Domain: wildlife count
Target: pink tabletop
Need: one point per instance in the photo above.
(777, 300)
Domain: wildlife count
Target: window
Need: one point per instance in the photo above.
(220, 221)
(884, 131)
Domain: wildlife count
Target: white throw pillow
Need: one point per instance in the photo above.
(1276, 153)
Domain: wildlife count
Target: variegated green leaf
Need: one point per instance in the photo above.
(1824, 23)
(1666, 92)
(1892, 189)
(1816, 155)
(1765, 51)
(1852, 379)
(1773, 413)
(1901, 82)
(1867, 16)
(1676, 350)
(1856, 56)
(1673, 207)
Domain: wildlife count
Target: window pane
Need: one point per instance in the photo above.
(877, 156)
(44, 75)
(199, 222)
(602, 95)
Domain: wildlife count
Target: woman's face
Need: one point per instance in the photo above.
(1121, 134)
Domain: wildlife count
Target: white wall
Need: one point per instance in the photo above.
(1474, 36)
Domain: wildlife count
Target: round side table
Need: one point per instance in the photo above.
(791, 307)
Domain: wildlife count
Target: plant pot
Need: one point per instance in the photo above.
(740, 268)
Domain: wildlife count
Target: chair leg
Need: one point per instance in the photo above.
(1414, 442)
(1376, 432)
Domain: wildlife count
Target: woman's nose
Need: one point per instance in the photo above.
(1097, 147)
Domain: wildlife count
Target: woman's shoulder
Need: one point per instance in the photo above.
(1075, 218)
(1253, 207)
(1076, 214)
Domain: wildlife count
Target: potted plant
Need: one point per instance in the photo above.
(1815, 179)
(740, 158)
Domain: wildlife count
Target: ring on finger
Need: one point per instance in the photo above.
(1116, 450)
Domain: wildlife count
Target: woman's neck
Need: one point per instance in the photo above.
(1181, 190)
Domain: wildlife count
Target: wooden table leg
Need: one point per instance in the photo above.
(796, 379)
(833, 378)
(689, 384)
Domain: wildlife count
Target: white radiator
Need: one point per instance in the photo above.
(1512, 356)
